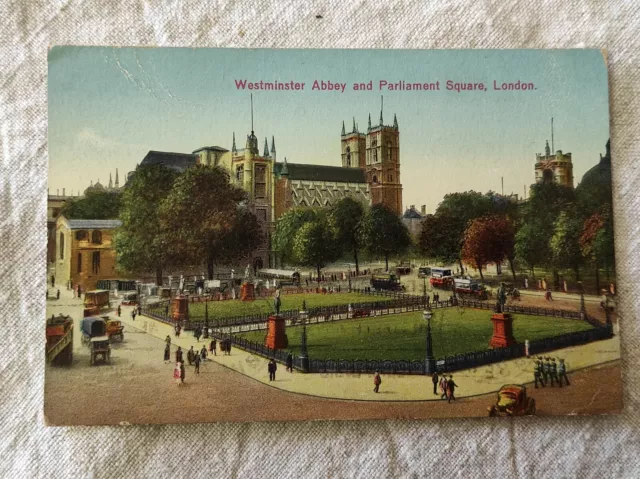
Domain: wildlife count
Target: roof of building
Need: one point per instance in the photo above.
(93, 224)
(213, 148)
(322, 173)
(412, 213)
(175, 161)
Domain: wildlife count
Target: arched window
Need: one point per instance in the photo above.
(375, 179)
(348, 156)
(96, 237)
(61, 245)
(239, 173)
(95, 262)
(547, 176)
(389, 151)
(81, 235)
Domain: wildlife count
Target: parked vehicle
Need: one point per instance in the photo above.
(94, 334)
(513, 401)
(98, 298)
(470, 288)
(115, 329)
(403, 268)
(424, 272)
(441, 278)
(130, 299)
(386, 281)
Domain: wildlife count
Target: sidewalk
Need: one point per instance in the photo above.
(395, 387)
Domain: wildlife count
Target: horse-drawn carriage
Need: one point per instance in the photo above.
(94, 335)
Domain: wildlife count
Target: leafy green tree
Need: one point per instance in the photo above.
(596, 242)
(346, 217)
(245, 236)
(384, 233)
(94, 205)
(140, 243)
(285, 231)
(198, 214)
(315, 244)
(532, 246)
(565, 242)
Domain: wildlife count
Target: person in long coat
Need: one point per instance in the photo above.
(443, 387)
(434, 379)
(167, 353)
(179, 355)
(191, 354)
(212, 347)
(183, 372)
(289, 362)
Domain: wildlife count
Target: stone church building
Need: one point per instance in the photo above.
(369, 172)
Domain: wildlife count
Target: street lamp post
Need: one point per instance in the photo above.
(583, 308)
(304, 355)
(430, 362)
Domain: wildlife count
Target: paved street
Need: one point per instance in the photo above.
(138, 387)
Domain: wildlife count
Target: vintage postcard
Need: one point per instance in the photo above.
(267, 235)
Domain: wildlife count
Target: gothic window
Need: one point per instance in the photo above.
(79, 262)
(390, 178)
(260, 182)
(61, 246)
(547, 176)
(239, 173)
(95, 262)
(389, 151)
(375, 179)
(81, 235)
(96, 237)
(374, 150)
(348, 156)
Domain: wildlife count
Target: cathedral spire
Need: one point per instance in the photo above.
(117, 182)
(395, 121)
(266, 147)
(285, 169)
(381, 108)
(547, 150)
(273, 144)
(369, 120)
(233, 147)
(110, 181)
(343, 130)
(354, 125)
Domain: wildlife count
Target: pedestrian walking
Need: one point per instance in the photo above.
(133, 314)
(546, 370)
(537, 374)
(451, 388)
(196, 361)
(179, 355)
(75, 292)
(203, 353)
(562, 373)
(554, 372)
(139, 309)
(119, 310)
(183, 372)
(290, 362)
(212, 347)
(443, 387)
(167, 353)
(168, 340)
(435, 381)
(377, 381)
(191, 355)
(197, 333)
(228, 346)
(177, 330)
(58, 294)
(177, 374)
(272, 368)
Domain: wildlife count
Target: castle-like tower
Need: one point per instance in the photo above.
(556, 168)
(378, 153)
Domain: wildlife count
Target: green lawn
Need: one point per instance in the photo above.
(226, 309)
(403, 336)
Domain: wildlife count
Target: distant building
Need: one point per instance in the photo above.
(84, 251)
(412, 219)
(556, 168)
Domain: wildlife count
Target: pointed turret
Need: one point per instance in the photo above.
(354, 125)
(395, 121)
(233, 147)
(266, 147)
(273, 147)
(117, 181)
(547, 150)
(285, 169)
(381, 108)
(110, 181)
(369, 121)
(343, 130)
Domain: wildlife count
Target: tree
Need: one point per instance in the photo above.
(140, 243)
(596, 241)
(244, 237)
(384, 233)
(286, 228)
(199, 212)
(532, 245)
(94, 205)
(346, 217)
(489, 239)
(565, 242)
(442, 234)
(315, 244)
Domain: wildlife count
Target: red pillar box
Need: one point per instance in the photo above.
(502, 331)
(276, 336)
(180, 308)
(247, 292)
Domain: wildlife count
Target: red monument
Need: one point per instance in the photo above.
(502, 331)
(276, 337)
(180, 308)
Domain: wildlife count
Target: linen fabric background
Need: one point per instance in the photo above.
(551, 447)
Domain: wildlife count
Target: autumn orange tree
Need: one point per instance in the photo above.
(489, 239)
(596, 241)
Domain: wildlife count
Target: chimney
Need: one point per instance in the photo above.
(423, 210)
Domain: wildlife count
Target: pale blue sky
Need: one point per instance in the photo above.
(108, 107)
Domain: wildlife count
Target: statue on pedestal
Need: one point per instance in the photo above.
(247, 273)
(277, 302)
(501, 298)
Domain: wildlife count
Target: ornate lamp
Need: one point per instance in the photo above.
(430, 362)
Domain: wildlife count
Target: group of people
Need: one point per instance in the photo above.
(549, 372)
(447, 386)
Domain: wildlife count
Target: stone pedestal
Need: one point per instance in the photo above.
(502, 331)
(247, 292)
(180, 308)
(276, 336)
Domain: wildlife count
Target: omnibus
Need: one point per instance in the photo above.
(441, 278)
(468, 287)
